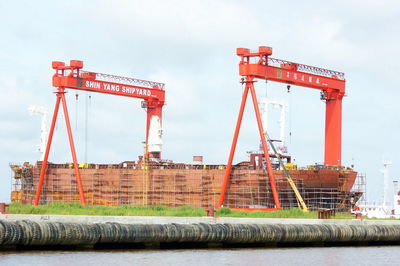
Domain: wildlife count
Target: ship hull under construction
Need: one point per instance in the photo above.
(183, 184)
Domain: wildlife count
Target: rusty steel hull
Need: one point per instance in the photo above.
(323, 178)
(177, 185)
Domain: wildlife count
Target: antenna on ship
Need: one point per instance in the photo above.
(385, 172)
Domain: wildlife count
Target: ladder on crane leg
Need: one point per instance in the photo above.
(300, 201)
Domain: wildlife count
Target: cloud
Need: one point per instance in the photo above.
(180, 22)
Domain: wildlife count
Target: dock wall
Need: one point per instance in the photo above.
(56, 234)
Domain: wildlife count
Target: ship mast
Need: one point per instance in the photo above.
(44, 127)
(283, 107)
(385, 172)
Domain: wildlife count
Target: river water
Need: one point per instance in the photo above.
(379, 255)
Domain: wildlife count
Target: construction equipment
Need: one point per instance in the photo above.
(259, 65)
(299, 198)
(72, 77)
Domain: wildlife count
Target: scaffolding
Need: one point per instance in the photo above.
(360, 187)
(174, 185)
(117, 185)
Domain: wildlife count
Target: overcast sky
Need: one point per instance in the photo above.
(190, 46)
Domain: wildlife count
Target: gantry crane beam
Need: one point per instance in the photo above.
(289, 72)
(72, 77)
(89, 81)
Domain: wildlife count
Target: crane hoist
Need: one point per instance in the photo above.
(72, 77)
(259, 65)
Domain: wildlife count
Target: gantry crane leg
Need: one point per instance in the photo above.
(60, 98)
(249, 85)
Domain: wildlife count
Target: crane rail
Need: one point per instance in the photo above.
(307, 68)
(132, 81)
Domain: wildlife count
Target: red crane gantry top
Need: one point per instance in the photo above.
(105, 83)
(73, 77)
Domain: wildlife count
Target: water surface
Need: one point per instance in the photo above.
(380, 255)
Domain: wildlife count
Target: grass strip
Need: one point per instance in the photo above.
(293, 213)
(183, 211)
(77, 209)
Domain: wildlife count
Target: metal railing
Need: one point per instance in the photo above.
(126, 80)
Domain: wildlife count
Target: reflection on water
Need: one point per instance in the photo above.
(381, 255)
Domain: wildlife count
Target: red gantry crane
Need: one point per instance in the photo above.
(72, 77)
(259, 65)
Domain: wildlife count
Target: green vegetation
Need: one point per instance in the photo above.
(77, 209)
(286, 213)
(184, 211)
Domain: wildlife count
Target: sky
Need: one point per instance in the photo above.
(191, 47)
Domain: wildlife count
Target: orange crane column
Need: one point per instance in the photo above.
(333, 130)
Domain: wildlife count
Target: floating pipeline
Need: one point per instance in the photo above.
(26, 233)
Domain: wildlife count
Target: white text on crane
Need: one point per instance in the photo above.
(109, 87)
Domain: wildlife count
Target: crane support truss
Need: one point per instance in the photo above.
(259, 65)
(73, 77)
